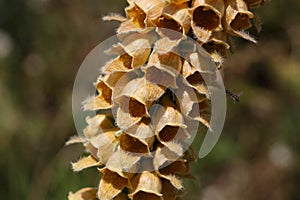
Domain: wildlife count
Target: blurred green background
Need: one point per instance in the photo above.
(42, 44)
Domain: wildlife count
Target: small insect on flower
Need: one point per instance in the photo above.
(235, 97)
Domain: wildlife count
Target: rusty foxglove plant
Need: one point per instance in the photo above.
(152, 96)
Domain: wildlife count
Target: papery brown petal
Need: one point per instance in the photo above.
(96, 103)
(121, 161)
(111, 184)
(122, 63)
(139, 50)
(126, 28)
(133, 106)
(165, 44)
(148, 183)
(162, 155)
(105, 144)
(167, 115)
(133, 145)
(163, 77)
(84, 163)
(169, 61)
(96, 125)
(83, 194)
(136, 15)
(141, 91)
(143, 131)
(169, 133)
(152, 8)
(113, 78)
(125, 120)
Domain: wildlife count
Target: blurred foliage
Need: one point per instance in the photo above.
(42, 44)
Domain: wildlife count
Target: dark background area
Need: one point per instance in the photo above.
(42, 44)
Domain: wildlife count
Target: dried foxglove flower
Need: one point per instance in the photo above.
(207, 15)
(237, 19)
(111, 184)
(146, 185)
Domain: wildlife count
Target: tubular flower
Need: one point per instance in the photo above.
(149, 99)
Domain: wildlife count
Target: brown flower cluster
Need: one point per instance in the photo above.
(150, 99)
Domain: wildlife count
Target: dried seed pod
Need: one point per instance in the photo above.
(170, 60)
(137, 50)
(96, 125)
(123, 162)
(111, 184)
(178, 21)
(105, 144)
(162, 76)
(140, 90)
(237, 19)
(143, 131)
(153, 8)
(122, 63)
(166, 45)
(146, 185)
(134, 145)
(206, 18)
(127, 27)
(167, 119)
(127, 118)
(84, 163)
(134, 100)
(84, 194)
